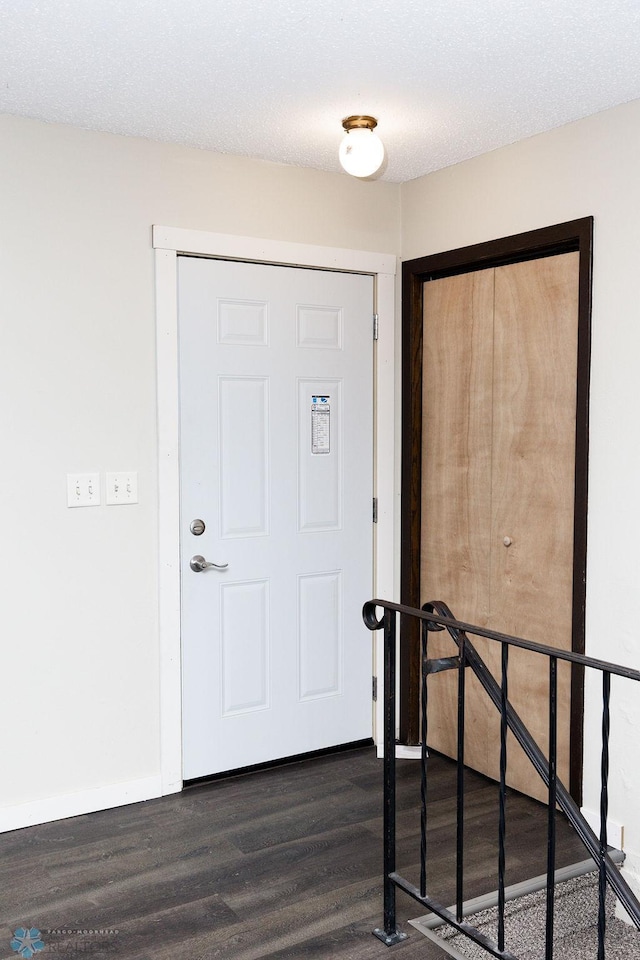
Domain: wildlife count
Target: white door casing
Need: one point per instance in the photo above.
(276, 452)
(168, 242)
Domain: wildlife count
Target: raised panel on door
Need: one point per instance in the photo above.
(533, 476)
(243, 456)
(456, 485)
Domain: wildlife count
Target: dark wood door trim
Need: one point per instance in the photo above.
(546, 242)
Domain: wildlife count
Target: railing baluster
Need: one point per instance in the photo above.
(389, 825)
(553, 793)
(502, 822)
(604, 811)
(423, 763)
(460, 782)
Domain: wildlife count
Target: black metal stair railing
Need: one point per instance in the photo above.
(437, 616)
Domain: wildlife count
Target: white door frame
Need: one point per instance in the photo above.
(168, 242)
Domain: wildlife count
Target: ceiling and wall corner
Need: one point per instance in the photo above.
(274, 81)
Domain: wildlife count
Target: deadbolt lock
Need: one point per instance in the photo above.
(197, 527)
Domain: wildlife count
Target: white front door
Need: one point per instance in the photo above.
(276, 425)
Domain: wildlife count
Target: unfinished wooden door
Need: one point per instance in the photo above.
(498, 472)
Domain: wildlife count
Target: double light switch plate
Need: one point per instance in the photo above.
(83, 489)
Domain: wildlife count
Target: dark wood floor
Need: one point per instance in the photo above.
(281, 863)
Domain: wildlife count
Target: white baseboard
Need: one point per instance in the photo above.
(403, 752)
(74, 804)
(631, 874)
(615, 831)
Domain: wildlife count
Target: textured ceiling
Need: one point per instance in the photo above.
(447, 79)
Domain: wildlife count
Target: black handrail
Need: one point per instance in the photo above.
(437, 616)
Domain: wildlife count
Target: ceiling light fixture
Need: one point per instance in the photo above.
(361, 152)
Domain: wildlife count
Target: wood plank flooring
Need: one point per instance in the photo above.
(281, 863)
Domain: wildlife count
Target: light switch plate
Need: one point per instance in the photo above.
(83, 489)
(122, 487)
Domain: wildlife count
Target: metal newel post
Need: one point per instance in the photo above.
(390, 934)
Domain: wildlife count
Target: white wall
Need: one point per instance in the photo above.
(587, 168)
(80, 706)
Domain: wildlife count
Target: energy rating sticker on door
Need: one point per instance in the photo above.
(320, 425)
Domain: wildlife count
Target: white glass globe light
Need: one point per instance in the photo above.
(361, 152)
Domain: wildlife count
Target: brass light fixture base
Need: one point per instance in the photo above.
(359, 123)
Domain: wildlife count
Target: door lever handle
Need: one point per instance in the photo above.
(198, 564)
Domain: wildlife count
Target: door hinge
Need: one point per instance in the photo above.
(375, 509)
(375, 326)
(374, 688)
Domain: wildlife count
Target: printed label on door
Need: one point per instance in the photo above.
(320, 425)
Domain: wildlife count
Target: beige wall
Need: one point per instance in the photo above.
(79, 621)
(589, 168)
(77, 356)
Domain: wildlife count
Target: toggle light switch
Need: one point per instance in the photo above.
(83, 489)
(122, 487)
